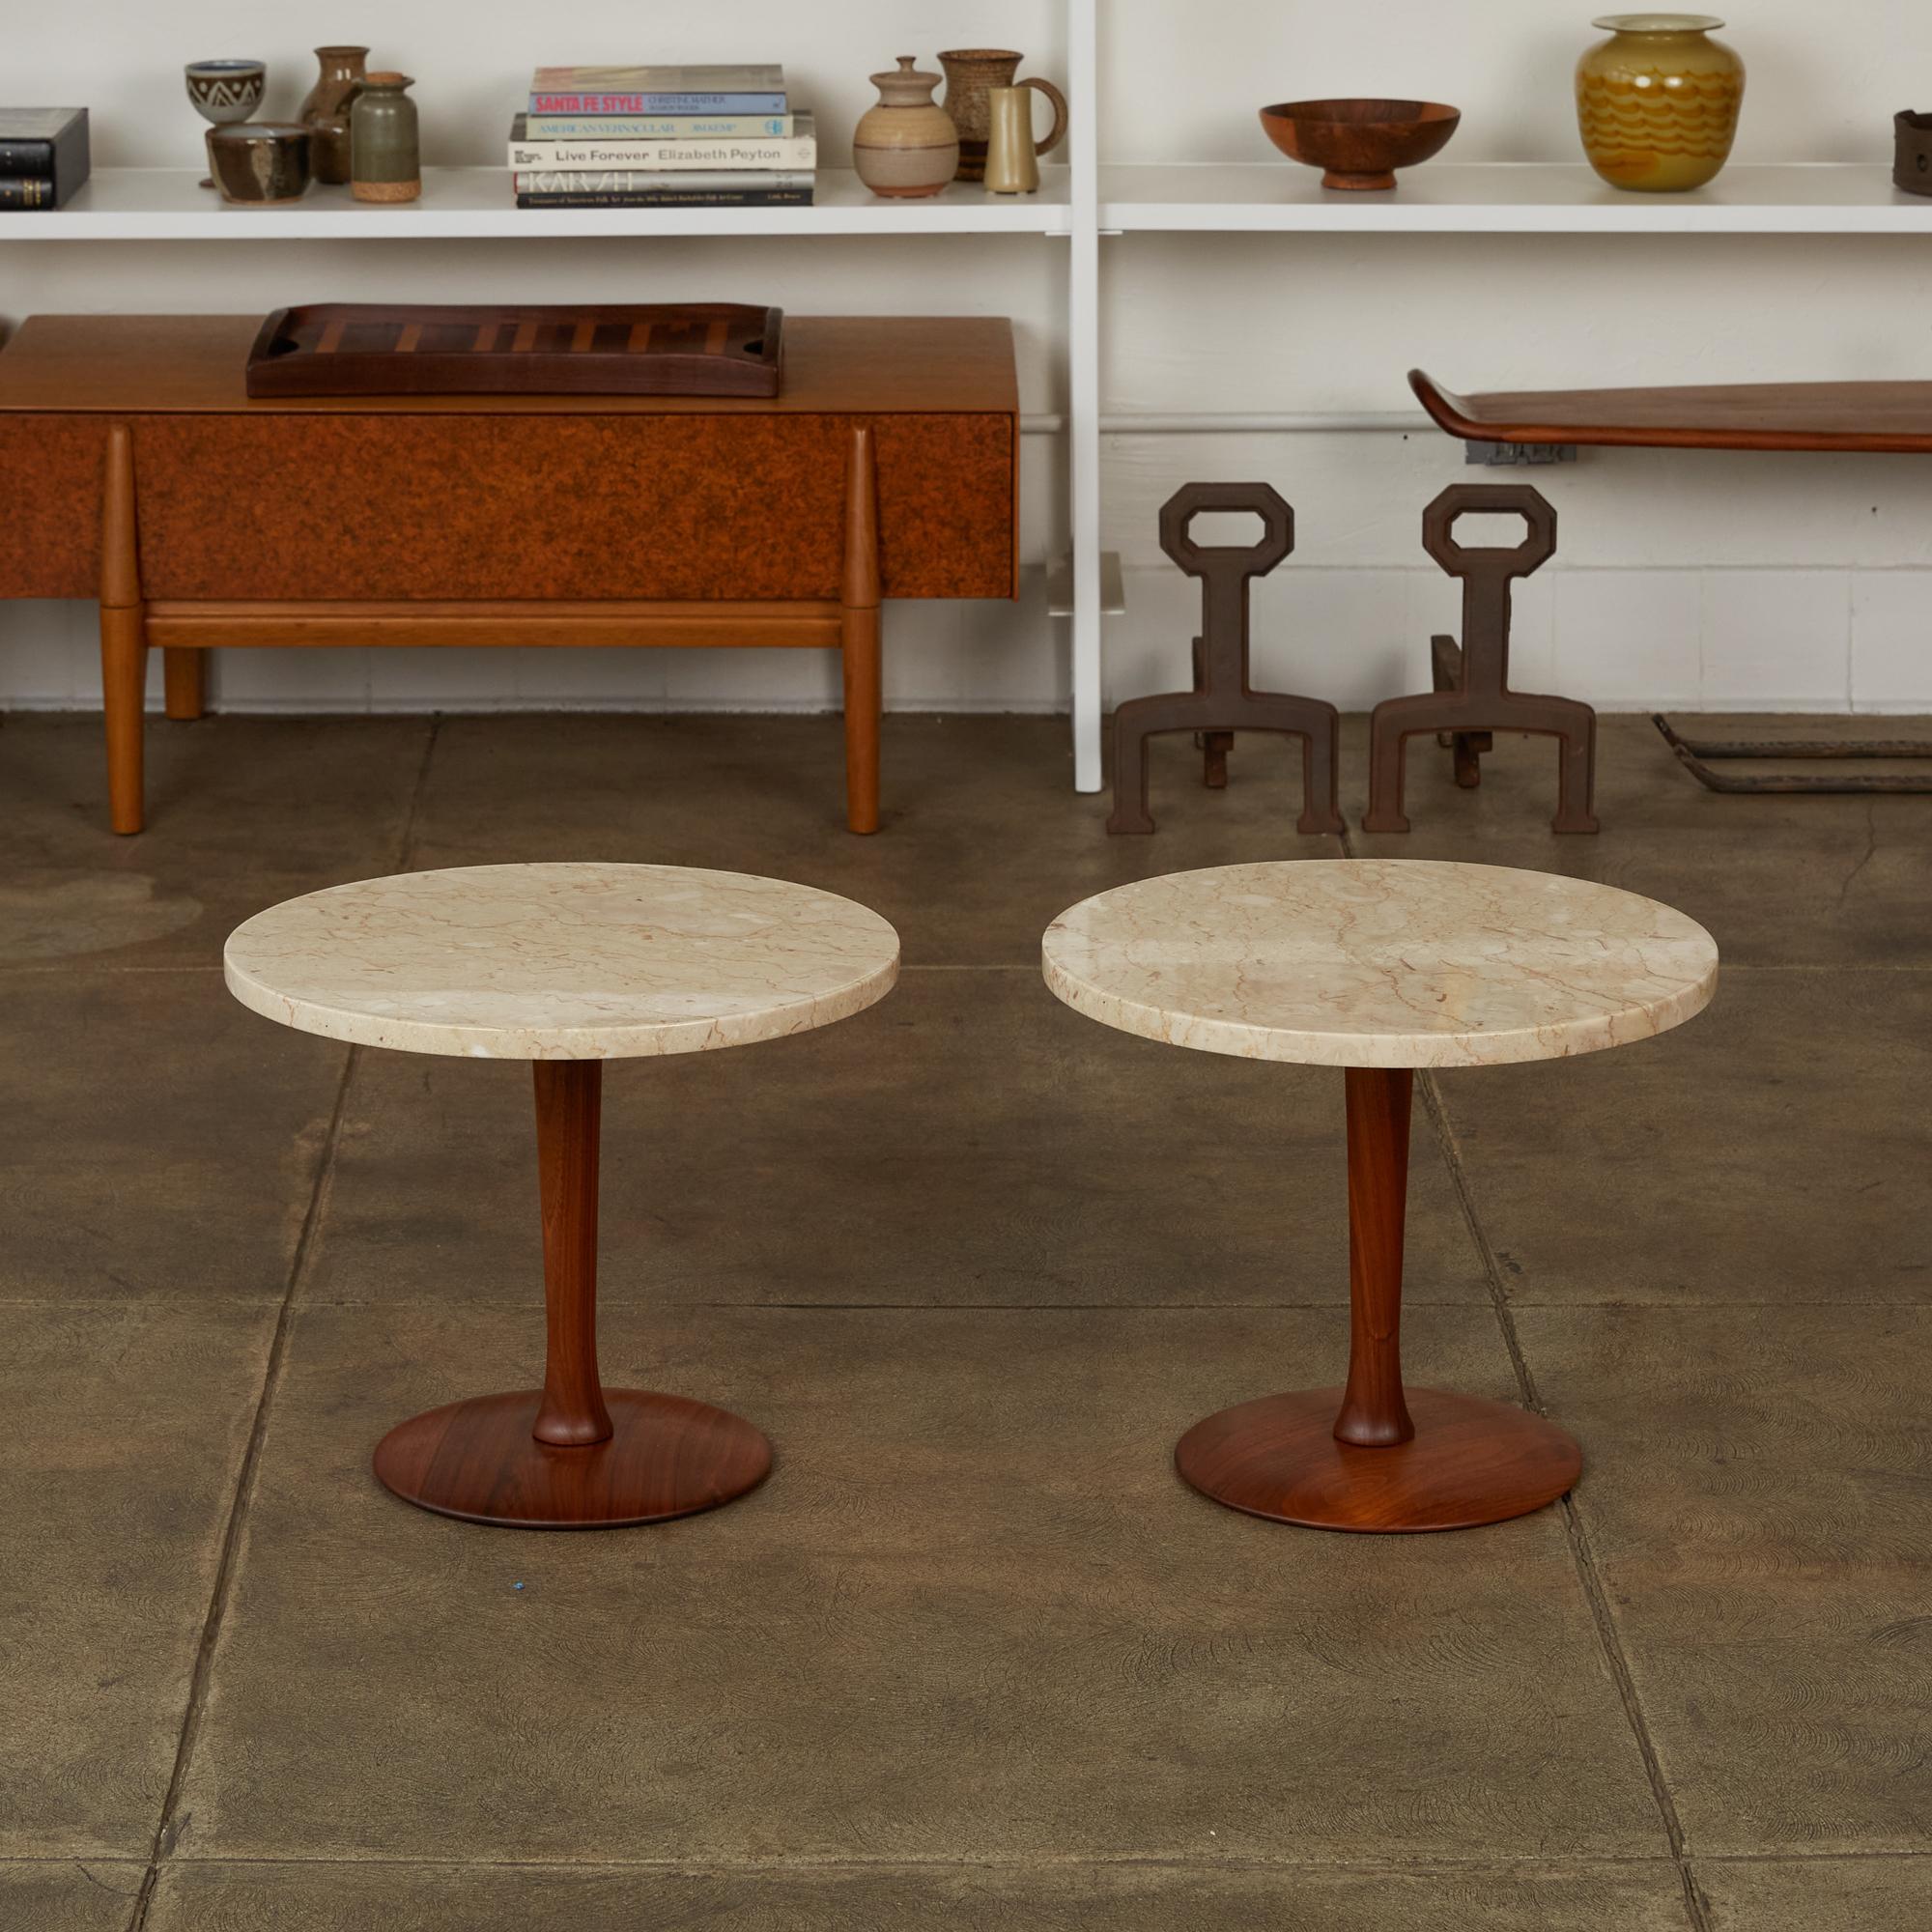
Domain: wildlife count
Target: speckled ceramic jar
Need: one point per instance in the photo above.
(384, 159)
(906, 147)
(1658, 102)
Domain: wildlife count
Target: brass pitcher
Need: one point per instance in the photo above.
(1012, 162)
(971, 75)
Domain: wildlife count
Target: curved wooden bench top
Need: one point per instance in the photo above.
(1883, 417)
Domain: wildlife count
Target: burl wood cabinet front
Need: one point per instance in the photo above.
(316, 506)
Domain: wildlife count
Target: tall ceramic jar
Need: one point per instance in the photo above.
(385, 163)
(1658, 101)
(906, 146)
(326, 111)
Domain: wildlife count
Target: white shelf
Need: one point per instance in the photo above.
(468, 204)
(1509, 198)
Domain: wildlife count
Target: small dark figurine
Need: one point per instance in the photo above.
(1222, 702)
(1472, 697)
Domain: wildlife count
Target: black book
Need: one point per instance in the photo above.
(42, 156)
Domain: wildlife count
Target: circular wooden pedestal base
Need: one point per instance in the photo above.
(666, 1456)
(1470, 1461)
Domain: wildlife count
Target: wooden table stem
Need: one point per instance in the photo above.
(569, 1096)
(1373, 1415)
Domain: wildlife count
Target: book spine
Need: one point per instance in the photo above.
(658, 103)
(27, 157)
(26, 191)
(662, 128)
(623, 181)
(666, 157)
(780, 197)
(733, 78)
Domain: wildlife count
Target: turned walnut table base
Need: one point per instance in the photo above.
(566, 966)
(1380, 967)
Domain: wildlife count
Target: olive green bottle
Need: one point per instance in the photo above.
(384, 159)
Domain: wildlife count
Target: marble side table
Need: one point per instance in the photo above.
(566, 966)
(1380, 967)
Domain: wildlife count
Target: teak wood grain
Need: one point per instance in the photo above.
(1873, 417)
(203, 518)
(1375, 1455)
(574, 1454)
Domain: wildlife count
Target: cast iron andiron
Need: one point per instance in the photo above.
(1472, 698)
(1223, 702)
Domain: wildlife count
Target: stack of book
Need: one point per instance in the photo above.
(42, 156)
(662, 138)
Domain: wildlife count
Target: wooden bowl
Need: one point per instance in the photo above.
(1359, 144)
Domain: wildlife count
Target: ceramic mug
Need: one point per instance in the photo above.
(260, 163)
(971, 75)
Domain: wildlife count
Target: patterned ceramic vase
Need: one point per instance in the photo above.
(1658, 101)
(906, 147)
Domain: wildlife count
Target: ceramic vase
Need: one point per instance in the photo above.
(385, 159)
(971, 75)
(1012, 163)
(1658, 101)
(906, 146)
(326, 111)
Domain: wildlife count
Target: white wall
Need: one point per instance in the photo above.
(1737, 581)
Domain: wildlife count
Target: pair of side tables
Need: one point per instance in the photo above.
(1378, 967)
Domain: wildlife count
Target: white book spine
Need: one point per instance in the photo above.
(620, 180)
(801, 151)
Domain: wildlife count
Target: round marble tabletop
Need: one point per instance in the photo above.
(562, 961)
(1381, 962)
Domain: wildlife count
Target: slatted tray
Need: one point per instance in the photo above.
(671, 349)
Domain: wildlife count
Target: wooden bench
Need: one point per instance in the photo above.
(888, 466)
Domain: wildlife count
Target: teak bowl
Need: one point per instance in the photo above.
(1359, 144)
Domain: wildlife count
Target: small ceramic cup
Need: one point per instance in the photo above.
(225, 90)
(260, 163)
(222, 90)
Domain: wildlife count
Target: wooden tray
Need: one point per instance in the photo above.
(671, 348)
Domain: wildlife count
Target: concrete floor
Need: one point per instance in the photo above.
(974, 1656)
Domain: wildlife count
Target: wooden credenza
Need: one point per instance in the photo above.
(888, 468)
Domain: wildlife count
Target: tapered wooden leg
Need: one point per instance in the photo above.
(862, 666)
(574, 1454)
(182, 678)
(860, 596)
(124, 634)
(570, 1095)
(1374, 1454)
(1373, 1415)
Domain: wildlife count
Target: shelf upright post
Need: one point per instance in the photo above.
(1083, 359)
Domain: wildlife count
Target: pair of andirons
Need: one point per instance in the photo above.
(1472, 700)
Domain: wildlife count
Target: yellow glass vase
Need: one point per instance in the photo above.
(1658, 101)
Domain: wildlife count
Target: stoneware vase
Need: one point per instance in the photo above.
(1658, 101)
(224, 91)
(971, 75)
(384, 159)
(1012, 162)
(906, 146)
(326, 111)
(260, 163)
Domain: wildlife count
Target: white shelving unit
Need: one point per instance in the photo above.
(474, 203)
(1507, 198)
(1082, 202)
